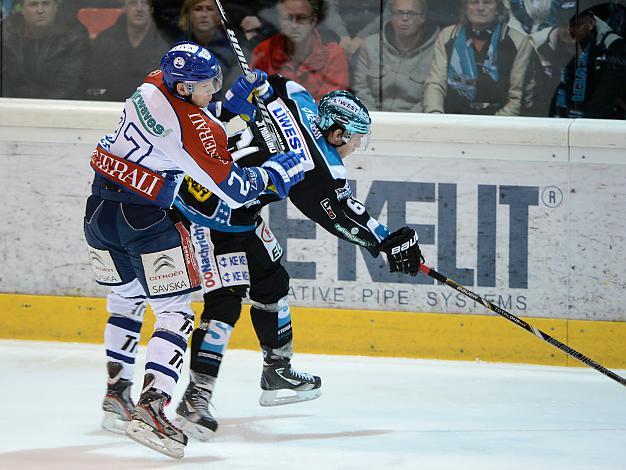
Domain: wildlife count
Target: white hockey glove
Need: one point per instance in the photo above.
(402, 251)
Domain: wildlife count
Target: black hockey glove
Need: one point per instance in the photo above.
(402, 251)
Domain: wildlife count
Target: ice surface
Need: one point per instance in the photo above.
(374, 413)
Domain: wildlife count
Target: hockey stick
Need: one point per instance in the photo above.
(270, 135)
(519, 322)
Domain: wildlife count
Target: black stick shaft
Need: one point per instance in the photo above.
(274, 144)
(521, 323)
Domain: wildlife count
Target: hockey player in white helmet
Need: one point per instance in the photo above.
(323, 136)
(137, 243)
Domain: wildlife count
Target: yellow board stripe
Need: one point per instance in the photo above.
(350, 332)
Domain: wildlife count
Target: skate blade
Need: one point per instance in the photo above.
(274, 398)
(146, 435)
(194, 430)
(111, 422)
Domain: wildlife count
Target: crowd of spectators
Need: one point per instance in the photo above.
(560, 58)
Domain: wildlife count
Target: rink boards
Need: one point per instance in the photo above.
(346, 332)
(529, 213)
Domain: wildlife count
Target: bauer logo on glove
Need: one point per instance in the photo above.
(402, 251)
(405, 246)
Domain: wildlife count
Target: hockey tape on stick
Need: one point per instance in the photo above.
(521, 323)
(274, 144)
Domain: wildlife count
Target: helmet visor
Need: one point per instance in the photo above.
(361, 141)
(207, 87)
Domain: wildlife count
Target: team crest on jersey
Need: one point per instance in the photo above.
(344, 193)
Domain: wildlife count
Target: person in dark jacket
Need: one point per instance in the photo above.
(125, 53)
(256, 19)
(43, 57)
(592, 82)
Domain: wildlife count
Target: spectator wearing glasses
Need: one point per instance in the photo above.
(395, 81)
(298, 53)
(43, 57)
(358, 19)
(479, 64)
(125, 53)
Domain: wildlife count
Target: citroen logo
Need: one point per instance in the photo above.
(97, 259)
(163, 261)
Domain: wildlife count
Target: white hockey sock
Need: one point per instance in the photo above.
(121, 339)
(166, 349)
(126, 305)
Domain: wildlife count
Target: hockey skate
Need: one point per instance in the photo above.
(150, 427)
(282, 384)
(193, 415)
(117, 405)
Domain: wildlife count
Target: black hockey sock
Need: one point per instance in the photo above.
(272, 328)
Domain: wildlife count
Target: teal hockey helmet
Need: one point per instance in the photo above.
(346, 110)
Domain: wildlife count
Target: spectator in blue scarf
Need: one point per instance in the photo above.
(479, 64)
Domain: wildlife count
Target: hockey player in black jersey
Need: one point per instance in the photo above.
(238, 254)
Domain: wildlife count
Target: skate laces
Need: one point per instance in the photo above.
(300, 375)
(160, 412)
(200, 401)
